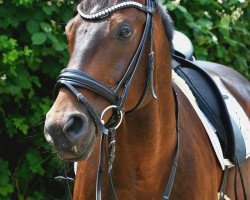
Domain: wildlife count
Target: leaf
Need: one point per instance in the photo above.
(39, 15)
(36, 81)
(170, 6)
(224, 32)
(67, 15)
(10, 57)
(45, 105)
(60, 46)
(182, 9)
(32, 26)
(233, 42)
(38, 38)
(23, 79)
(205, 23)
(225, 22)
(14, 21)
(188, 17)
(36, 196)
(52, 37)
(46, 27)
(21, 125)
(49, 9)
(5, 186)
(23, 172)
(10, 127)
(7, 43)
(4, 24)
(35, 162)
(13, 89)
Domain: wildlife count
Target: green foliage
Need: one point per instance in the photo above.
(33, 50)
(219, 30)
(5, 186)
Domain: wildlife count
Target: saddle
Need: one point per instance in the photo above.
(209, 99)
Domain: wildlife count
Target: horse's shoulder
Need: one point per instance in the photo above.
(227, 78)
(186, 109)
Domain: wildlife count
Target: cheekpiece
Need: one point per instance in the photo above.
(107, 11)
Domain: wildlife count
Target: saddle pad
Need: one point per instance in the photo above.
(235, 110)
(238, 115)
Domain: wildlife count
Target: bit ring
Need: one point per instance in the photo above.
(112, 107)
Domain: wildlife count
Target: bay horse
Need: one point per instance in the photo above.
(120, 55)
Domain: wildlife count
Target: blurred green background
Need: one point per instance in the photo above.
(33, 50)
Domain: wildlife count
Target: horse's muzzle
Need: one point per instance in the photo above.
(71, 135)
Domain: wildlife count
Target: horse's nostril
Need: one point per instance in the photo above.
(76, 126)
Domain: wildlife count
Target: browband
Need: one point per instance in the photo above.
(107, 11)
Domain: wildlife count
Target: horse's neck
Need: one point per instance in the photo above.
(145, 149)
(146, 146)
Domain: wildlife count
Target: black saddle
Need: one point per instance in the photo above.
(212, 104)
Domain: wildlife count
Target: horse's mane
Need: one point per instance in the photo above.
(167, 23)
(91, 6)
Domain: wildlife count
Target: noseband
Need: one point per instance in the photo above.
(72, 78)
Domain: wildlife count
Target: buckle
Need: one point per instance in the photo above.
(151, 9)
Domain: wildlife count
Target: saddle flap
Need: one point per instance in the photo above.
(212, 104)
(240, 146)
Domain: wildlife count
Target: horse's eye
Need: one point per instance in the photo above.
(125, 33)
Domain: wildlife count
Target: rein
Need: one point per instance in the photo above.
(72, 78)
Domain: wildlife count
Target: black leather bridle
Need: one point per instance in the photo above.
(72, 78)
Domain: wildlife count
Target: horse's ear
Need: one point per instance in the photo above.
(167, 23)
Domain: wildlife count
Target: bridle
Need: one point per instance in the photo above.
(72, 78)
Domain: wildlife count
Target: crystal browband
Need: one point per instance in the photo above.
(107, 11)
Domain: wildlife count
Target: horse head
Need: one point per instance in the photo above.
(104, 49)
(120, 63)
